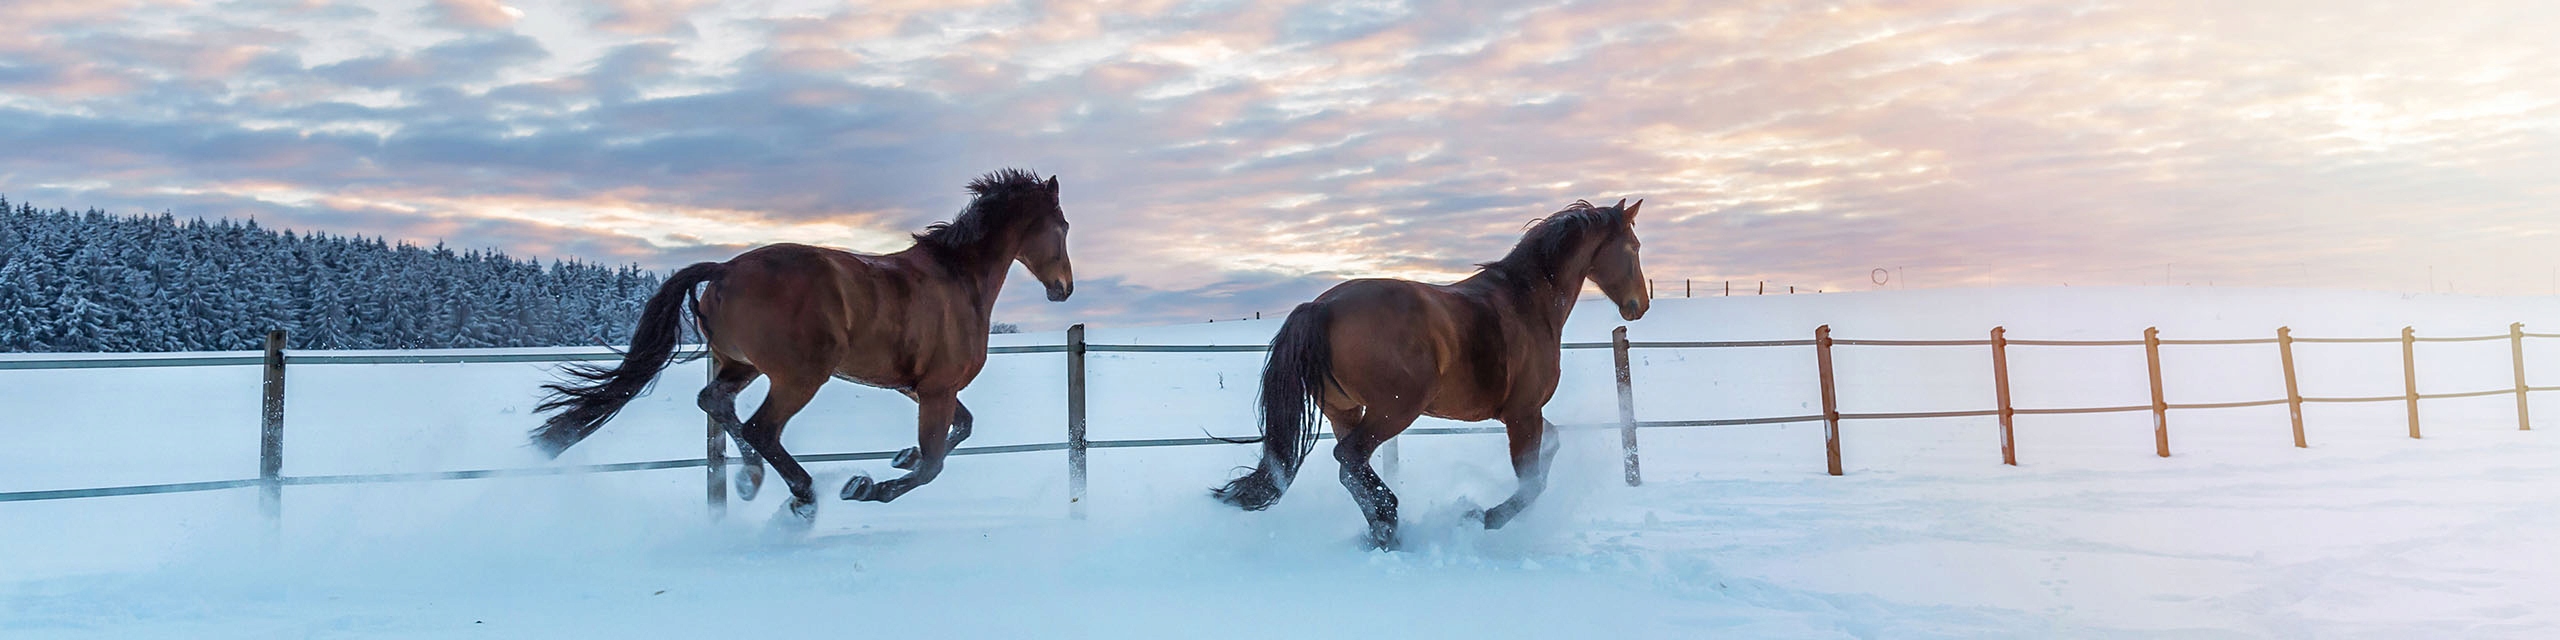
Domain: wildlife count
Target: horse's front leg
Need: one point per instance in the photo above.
(1533, 448)
(934, 412)
(961, 422)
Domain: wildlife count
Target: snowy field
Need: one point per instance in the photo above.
(1736, 532)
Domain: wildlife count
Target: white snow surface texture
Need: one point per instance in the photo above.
(1735, 532)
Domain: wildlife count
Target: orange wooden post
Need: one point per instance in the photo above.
(1626, 405)
(2159, 399)
(2000, 387)
(2515, 341)
(2292, 389)
(1830, 399)
(2409, 373)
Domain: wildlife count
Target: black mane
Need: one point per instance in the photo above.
(1550, 237)
(1002, 186)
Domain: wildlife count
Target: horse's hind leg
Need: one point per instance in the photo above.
(764, 433)
(1353, 449)
(1533, 447)
(934, 437)
(961, 422)
(719, 399)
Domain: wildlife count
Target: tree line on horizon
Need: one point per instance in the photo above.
(91, 281)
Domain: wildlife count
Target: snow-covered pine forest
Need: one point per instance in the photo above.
(94, 281)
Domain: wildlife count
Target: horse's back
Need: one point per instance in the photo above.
(1400, 339)
(782, 305)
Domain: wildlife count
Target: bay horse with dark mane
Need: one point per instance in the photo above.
(914, 321)
(1372, 355)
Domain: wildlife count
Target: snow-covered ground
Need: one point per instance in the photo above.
(1736, 532)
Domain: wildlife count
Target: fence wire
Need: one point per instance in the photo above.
(691, 351)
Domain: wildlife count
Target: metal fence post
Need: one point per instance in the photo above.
(715, 450)
(1626, 405)
(271, 434)
(2000, 388)
(2515, 341)
(2409, 373)
(1076, 443)
(2292, 388)
(1388, 459)
(2159, 399)
(1830, 399)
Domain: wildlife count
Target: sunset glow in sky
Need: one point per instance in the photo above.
(1220, 158)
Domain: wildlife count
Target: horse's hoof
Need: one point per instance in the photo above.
(747, 484)
(1384, 540)
(856, 489)
(906, 459)
(806, 511)
(1383, 536)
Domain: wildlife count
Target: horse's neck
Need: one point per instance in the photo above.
(1547, 293)
(985, 264)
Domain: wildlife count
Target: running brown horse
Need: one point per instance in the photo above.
(1372, 355)
(914, 321)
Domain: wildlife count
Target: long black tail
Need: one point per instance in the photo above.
(1301, 364)
(596, 393)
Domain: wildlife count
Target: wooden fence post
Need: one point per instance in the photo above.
(2409, 373)
(2515, 341)
(2000, 387)
(271, 434)
(2292, 388)
(1626, 405)
(715, 449)
(1830, 399)
(1076, 444)
(2159, 399)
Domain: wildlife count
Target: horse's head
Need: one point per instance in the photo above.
(1044, 244)
(1616, 268)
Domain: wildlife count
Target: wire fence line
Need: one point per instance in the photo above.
(276, 360)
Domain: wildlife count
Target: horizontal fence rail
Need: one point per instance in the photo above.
(277, 360)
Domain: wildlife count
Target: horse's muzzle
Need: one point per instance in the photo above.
(1059, 292)
(1632, 309)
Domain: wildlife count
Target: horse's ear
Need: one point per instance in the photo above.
(1053, 184)
(1622, 204)
(1631, 211)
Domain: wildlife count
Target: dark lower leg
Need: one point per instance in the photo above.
(719, 400)
(934, 416)
(763, 434)
(1377, 503)
(961, 422)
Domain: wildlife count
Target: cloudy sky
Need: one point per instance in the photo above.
(1225, 157)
